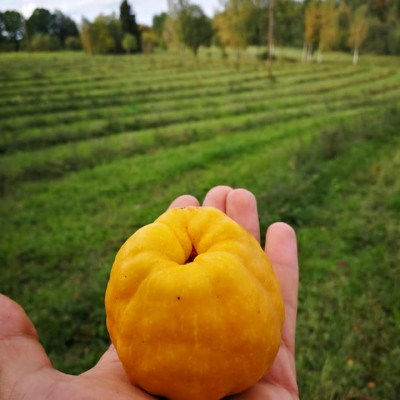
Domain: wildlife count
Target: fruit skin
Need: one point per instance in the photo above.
(200, 330)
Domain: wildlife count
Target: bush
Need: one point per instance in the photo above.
(103, 36)
(73, 43)
(378, 37)
(394, 38)
(42, 42)
(149, 41)
(129, 43)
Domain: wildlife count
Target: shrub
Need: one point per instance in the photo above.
(42, 42)
(129, 43)
(73, 43)
(149, 39)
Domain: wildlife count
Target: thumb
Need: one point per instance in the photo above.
(20, 351)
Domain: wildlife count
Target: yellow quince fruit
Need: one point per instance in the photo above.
(193, 306)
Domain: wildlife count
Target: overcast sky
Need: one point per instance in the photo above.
(76, 9)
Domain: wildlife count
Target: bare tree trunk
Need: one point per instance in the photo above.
(270, 37)
(237, 54)
(355, 56)
(305, 51)
(309, 52)
(27, 40)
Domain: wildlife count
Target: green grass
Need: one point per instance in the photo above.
(92, 148)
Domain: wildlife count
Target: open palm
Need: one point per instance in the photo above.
(26, 371)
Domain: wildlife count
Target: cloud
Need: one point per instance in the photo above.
(27, 9)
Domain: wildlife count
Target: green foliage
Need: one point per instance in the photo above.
(150, 40)
(43, 22)
(66, 27)
(378, 37)
(288, 26)
(196, 29)
(231, 24)
(102, 36)
(129, 43)
(73, 43)
(158, 27)
(42, 42)
(394, 37)
(128, 24)
(41, 26)
(358, 28)
(11, 28)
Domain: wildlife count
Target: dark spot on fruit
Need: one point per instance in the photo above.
(192, 256)
(178, 298)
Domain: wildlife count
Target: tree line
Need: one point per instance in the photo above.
(316, 25)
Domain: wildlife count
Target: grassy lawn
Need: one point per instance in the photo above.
(92, 148)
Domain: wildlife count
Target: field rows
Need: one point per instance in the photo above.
(199, 87)
(130, 78)
(60, 160)
(193, 108)
(124, 86)
(84, 124)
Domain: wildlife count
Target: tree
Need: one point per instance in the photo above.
(171, 35)
(230, 24)
(312, 27)
(42, 21)
(128, 23)
(288, 26)
(270, 36)
(358, 31)
(344, 18)
(102, 36)
(129, 43)
(257, 23)
(73, 43)
(149, 40)
(328, 33)
(12, 27)
(44, 42)
(173, 27)
(196, 29)
(65, 27)
(158, 27)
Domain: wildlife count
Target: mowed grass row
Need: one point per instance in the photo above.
(58, 161)
(164, 111)
(126, 90)
(146, 84)
(129, 77)
(323, 160)
(158, 101)
(42, 69)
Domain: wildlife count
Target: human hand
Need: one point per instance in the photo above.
(26, 371)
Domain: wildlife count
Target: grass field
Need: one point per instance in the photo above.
(92, 148)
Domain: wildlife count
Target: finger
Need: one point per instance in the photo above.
(109, 365)
(184, 201)
(241, 206)
(20, 350)
(216, 197)
(281, 248)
